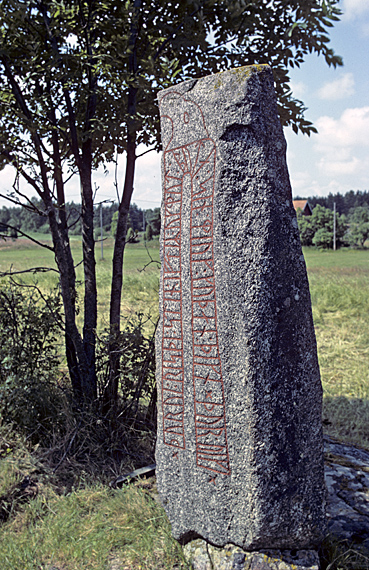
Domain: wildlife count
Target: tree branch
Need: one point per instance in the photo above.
(68, 101)
(146, 151)
(29, 237)
(13, 161)
(58, 321)
(31, 207)
(31, 270)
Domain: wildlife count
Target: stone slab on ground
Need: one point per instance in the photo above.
(347, 480)
(203, 556)
(239, 446)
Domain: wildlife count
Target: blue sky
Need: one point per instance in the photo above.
(337, 158)
(334, 160)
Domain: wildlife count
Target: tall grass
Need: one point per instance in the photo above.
(339, 285)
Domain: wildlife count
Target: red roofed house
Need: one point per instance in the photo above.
(304, 206)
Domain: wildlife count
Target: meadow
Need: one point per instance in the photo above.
(339, 286)
(93, 527)
(140, 274)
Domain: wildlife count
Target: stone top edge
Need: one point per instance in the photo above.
(240, 73)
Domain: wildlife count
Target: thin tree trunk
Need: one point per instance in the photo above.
(76, 357)
(111, 393)
(89, 382)
(67, 262)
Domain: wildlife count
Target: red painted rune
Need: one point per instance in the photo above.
(189, 170)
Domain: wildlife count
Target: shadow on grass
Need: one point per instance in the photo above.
(347, 419)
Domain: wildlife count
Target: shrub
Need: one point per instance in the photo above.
(323, 239)
(28, 358)
(148, 232)
(137, 367)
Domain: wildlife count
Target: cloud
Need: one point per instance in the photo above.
(355, 8)
(357, 11)
(340, 88)
(298, 88)
(351, 129)
(339, 167)
(343, 143)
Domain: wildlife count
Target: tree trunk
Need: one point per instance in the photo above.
(76, 357)
(89, 382)
(111, 393)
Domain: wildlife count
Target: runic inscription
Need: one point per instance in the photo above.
(172, 343)
(190, 169)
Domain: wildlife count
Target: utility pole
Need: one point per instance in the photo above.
(334, 226)
(101, 223)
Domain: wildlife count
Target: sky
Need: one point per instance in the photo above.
(337, 100)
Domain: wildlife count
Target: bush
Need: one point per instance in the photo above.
(137, 368)
(318, 229)
(148, 233)
(29, 358)
(323, 239)
(359, 226)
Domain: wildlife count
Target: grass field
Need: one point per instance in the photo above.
(93, 527)
(339, 285)
(140, 274)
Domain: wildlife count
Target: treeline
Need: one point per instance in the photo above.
(344, 203)
(33, 218)
(351, 230)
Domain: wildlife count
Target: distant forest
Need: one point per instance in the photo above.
(34, 219)
(344, 203)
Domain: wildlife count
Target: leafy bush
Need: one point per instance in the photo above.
(323, 239)
(28, 358)
(136, 370)
(318, 229)
(131, 236)
(359, 226)
(148, 233)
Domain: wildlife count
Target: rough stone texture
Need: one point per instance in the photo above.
(203, 556)
(239, 448)
(347, 481)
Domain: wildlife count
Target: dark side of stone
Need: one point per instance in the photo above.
(239, 445)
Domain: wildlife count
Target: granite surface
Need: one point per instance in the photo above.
(347, 482)
(239, 446)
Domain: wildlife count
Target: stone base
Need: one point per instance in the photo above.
(203, 556)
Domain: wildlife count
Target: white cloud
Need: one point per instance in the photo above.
(351, 129)
(342, 143)
(354, 8)
(340, 88)
(298, 88)
(340, 167)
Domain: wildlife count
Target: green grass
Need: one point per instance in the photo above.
(140, 276)
(91, 529)
(339, 285)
